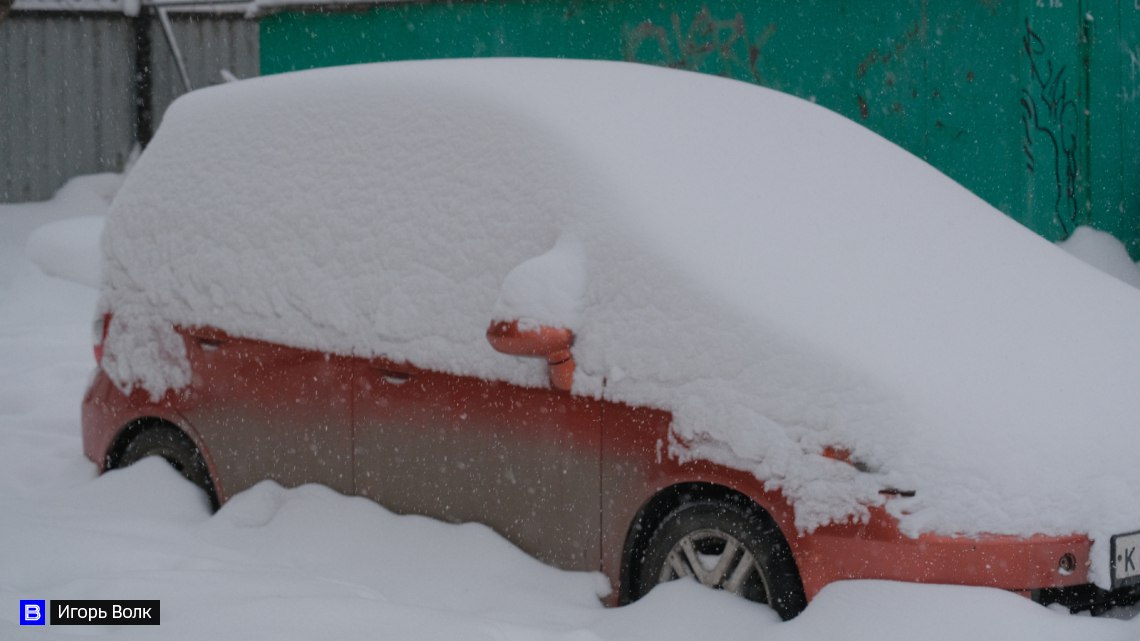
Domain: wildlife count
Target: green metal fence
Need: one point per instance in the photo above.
(1032, 104)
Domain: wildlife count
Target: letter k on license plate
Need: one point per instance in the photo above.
(1125, 559)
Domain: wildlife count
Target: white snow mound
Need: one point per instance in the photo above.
(64, 249)
(1103, 251)
(778, 277)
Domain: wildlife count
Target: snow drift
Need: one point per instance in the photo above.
(779, 278)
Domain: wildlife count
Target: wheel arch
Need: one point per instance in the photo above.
(146, 423)
(651, 514)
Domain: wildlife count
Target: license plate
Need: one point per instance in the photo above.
(1125, 559)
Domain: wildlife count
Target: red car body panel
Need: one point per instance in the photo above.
(524, 461)
(564, 477)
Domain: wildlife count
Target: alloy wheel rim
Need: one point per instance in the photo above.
(717, 560)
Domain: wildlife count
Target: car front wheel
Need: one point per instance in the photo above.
(728, 546)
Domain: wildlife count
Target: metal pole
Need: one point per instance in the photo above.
(174, 50)
(142, 86)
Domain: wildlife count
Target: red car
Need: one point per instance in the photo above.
(460, 289)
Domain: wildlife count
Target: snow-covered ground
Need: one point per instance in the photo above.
(307, 563)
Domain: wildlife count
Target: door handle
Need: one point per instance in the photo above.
(208, 344)
(391, 376)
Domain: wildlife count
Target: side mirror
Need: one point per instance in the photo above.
(551, 343)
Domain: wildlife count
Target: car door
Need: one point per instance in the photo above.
(266, 411)
(523, 461)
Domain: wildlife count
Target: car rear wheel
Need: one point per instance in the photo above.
(173, 445)
(725, 546)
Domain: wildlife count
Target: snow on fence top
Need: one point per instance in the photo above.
(125, 6)
(780, 278)
(250, 8)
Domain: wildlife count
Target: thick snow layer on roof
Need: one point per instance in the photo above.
(778, 277)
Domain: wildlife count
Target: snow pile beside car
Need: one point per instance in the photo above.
(779, 278)
(1103, 251)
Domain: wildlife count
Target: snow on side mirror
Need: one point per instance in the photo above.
(539, 307)
(551, 343)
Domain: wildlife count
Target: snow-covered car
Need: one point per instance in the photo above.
(639, 321)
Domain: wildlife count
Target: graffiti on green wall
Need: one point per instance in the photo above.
(725, 46)
(1049, 116)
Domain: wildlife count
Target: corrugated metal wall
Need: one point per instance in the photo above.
(67, 104)
(209, 44)
(65, 100)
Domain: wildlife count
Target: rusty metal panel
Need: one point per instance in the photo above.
(64, 100)
(208, 44)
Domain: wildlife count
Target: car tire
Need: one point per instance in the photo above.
(173, 445)
(725, 545)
